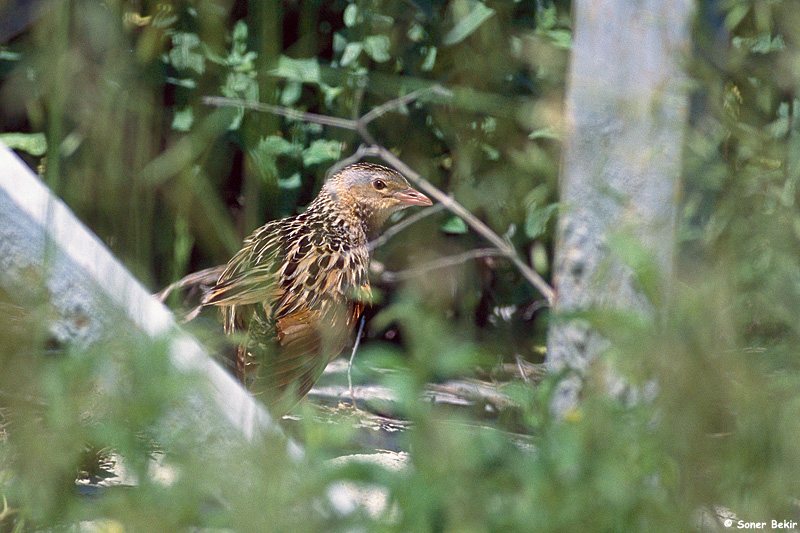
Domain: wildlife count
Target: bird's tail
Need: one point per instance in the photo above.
(191, 289)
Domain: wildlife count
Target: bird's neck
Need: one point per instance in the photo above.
(362, 215)
(343, 211)
(373, 219)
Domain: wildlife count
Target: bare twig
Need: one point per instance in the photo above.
(402, 101)
(469, 392)
(359, 125)
(444, 262)
(391, 105)
(358, 95)
(530, 372)
(403, 224)
(7, 511)
(360, 153)
(532, 308)
(288, 112)
(374, 149)
(521, 370)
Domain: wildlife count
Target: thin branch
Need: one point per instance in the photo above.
(358, 95)
(392, 105)
(403, 224)
(443, 262)
(521, 370)
(360, 153)
(288, 112)
(533, 307)
(357, 124)
(400, 102)
(7, 511)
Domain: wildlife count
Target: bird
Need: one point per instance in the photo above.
(294, 292)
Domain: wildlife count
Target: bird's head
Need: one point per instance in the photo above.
(373, 192)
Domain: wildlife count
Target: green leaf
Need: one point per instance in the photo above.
(464, 28)
(240, 85)
(182, 247)
(330, 93)
(415, 33)
(642, 261)
(240, 31)
(275, 145)
(736, 15)
(291, 93)
(454, 226)
(381, 23)
(303, 70)
(539, 258)
(321, 151)
(32, 143)
(351, 53)
(187, 83)
(558, 38)
(780, 127)
(491, 152)
(237, 83)
(183, 119)
(71, 143)
(763, 44)
(292, 182)
(547, 17)
(339, 42)
(164, 18)
(243, 63)
(264, 164)
(186, 53)
(537, 219)
(430, 59)
(377, 47)
(265, 154)
(350, 15)
(544, 133)
(8, 55)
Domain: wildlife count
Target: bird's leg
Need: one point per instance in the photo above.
(350, 364)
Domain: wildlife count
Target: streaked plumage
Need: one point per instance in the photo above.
(297, 286)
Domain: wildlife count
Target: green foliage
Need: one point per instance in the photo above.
(454, 225)
(31, 143)
(467, 24)
(710, 413)
(539, 212)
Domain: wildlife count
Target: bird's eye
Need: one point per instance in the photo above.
(379, 184)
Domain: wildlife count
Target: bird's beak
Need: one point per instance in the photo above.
(412, 197)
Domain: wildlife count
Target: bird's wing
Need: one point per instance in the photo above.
(252, 274)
